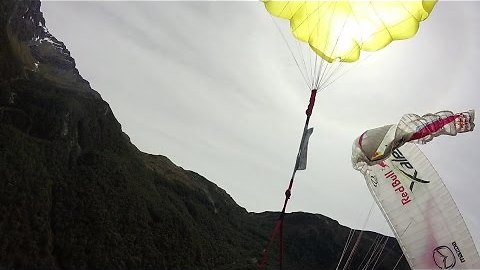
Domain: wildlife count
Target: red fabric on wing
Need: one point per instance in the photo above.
(433, 127)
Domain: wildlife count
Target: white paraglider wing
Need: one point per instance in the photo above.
(411, 194)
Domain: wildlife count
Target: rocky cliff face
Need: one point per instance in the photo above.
(76, 194)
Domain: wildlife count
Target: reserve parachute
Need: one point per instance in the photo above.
(411, 194)
(337, 31)
(340, 29)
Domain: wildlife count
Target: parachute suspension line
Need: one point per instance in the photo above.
(278, 229)
(338, 72)
(398, 261)
(343, 72)
(316, 72)
(359, 237)
(326, 74)
(379, 244)
(377, 257)
(345, 266)
(347, 243)
(314, 63)
(321, 74)
(305, 79)
(375, 254)
(329, 74)
(328, 67)
(307, 70)
(318, 69)
(374, 246)
(380, 253)
(332, 76)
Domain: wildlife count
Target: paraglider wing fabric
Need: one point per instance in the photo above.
(413, 198)
(377, 144)
(338, 30)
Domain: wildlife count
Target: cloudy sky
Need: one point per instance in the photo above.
(212, 86)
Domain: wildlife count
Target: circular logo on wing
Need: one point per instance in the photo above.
(444, 257)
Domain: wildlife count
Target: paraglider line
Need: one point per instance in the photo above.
(278, 229)
(291, 52)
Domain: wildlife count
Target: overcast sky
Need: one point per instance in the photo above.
(212, 86)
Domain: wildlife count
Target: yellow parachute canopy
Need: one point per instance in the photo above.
(338, 30)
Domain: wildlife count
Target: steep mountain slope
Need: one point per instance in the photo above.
(76, 194)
